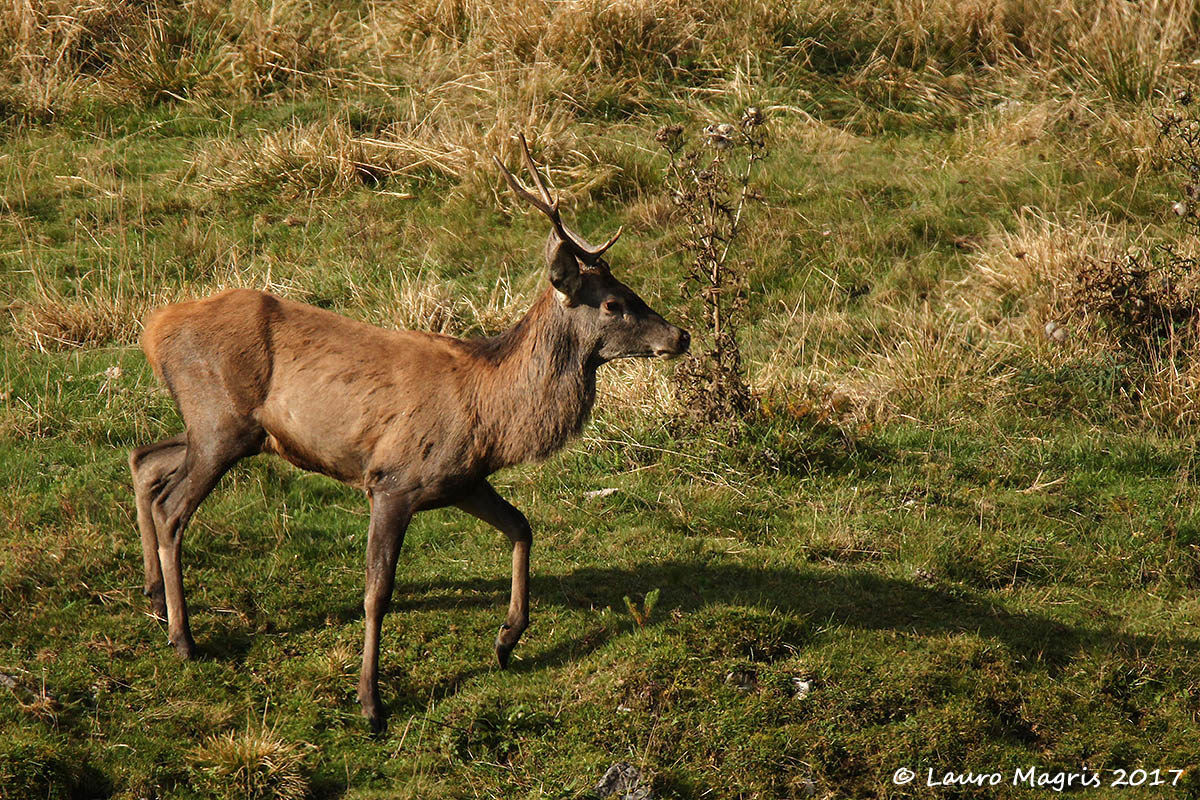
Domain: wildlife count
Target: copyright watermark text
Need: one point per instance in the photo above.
(1041, 778)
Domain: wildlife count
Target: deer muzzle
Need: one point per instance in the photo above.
(679, 342)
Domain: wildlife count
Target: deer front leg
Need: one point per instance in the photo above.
(493, 509)
(390, 514)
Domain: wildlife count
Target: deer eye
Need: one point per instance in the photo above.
(612, 307)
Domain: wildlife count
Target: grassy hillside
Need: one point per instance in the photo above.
(945, 540)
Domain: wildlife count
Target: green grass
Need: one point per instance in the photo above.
(979, 550)
(946, 615)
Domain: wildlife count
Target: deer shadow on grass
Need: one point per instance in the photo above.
(855, 599)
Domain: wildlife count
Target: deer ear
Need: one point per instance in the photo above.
(563, 269)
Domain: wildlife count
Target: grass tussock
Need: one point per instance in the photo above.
(251, 765)
(107, 312)
(1023, 278)
(302, 159)
(959, 344)
(1005, 132)
(1073, 294)
(401, 148)
(51, 53)
(53, 321)
(55, 56)
(1076, 127)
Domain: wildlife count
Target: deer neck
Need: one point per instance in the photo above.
(543, 385)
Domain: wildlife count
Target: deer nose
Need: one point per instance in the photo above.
(685, 341)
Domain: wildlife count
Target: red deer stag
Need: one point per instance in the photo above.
(415, 419)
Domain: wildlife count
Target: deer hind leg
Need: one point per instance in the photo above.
(211, 450)
(153, 466)
(493, 509)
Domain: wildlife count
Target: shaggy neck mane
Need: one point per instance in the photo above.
(539, 388)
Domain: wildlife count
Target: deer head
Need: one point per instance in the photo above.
(607, 316)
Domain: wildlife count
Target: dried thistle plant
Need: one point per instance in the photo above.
(1150, 298)
(1179, 141)
(708, 177)
(1147, 299)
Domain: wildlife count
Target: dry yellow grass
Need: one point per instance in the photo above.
(452, 135)
(107, 312)
(55, 54)
(48, 53)
(963, 348)
(955, 350)
(1021, 279)
(463, 75)
(462, 56)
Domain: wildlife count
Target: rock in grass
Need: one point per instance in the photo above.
(804, 787)
(1055, 332)
(624, 782)
(742, 678)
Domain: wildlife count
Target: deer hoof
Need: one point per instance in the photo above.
(158, 607)
(502, 654)
(375, 717)
(158, 600)
(506, 640)
(185, 648)
(503, 649)
(372, 707)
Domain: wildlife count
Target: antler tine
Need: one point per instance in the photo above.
(548, 205)
(522, 192)
(586, 249)
(550, 200)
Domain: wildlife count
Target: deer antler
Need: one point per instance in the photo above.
(548, 205)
